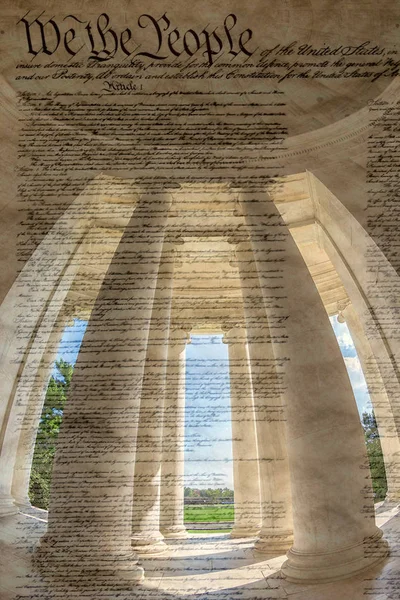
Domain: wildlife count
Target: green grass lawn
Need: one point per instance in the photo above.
(207, 531)
(209, 513)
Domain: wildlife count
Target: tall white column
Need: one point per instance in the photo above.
(34, 379)
(335, 534)
(44, 279)
(246, 483)
(172, 470)
(276, 535)
(37, 394)
(384, 417)
(90, 515)
(20, 398)
(146, 535)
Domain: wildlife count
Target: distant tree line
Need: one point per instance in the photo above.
(208, 496)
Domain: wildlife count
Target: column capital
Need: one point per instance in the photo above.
(170, 250)
(234, 333)
(241, 247)
(256, 191)
(341, 308)
(179, 337)
(76, 308)
(173, 239)
(238, 236)
(154, 200)
(235, 187)
(244, 246)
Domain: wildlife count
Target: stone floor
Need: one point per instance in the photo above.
(205, 566)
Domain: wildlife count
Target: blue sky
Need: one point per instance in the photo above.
(71, 341)
(353, 365)
(208, 433)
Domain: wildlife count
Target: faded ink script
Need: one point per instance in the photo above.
(161, 206)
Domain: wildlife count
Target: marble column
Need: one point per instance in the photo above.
(146, 535)
(246, 483)
(384, 416)
(27, 439)
(335, 535)
(276, 535)
(78, 297)
(21, 396)
(90, 514)
(172, 470)
(26, 313)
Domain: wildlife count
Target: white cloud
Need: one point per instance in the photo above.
(344, 339)
(353, 364)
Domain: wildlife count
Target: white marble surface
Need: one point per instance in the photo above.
(212, 567)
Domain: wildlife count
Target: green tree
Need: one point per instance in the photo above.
(49, 426)
(375, 456)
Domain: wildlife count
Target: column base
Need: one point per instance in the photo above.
(244, 532)
(145, 544)
(391, 501)
(82, 568)
(175, 533)
(273, 542)
(23, 502)
(7, 506)
(332, 566)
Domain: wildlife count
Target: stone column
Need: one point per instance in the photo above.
(28, 380)
(172, 471)
(78, 296)
(244, 444)
(335, 534)
(384, 417)
(27, 440)
(276, 535)
(90, 515)
(21, 396)
(25, 316)
(146, 535)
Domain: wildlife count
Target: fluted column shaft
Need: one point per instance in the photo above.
(276, 533)
(334, 527)
(26, 380)
(90, 513)
(20, 433)
(244, 444)
(172, 470)
(146, 535)
(25, 325)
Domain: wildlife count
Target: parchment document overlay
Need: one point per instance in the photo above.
(200, 300)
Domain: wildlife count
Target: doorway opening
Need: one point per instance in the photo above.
(208, 493)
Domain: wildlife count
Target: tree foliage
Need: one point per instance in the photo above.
(375, 456)
(49, 426)
(212, 494)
